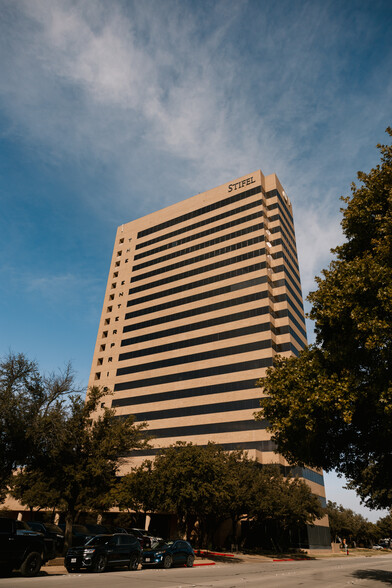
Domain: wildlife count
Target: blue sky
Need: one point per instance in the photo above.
(111, 110)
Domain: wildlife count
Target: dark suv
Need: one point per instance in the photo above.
(49, 530)
(21, 548)
(104, 551)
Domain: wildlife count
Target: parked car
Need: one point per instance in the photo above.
(169, 553)
(49, 530)
(144, 540)
(95, 529)
(105, 551)
(80, 534)
(22, 549)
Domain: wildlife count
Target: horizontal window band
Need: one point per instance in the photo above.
(306, 473)
(196, 357)
(196, 297)
(291, 296)
(289, 299)
(288, 330)
(286, 245)
(200, 211)
(189, 327)
(200, 283)
(289, 284)
(207, 390)
(285, 236)
(289, 221)
(194, 237)
(184, 411)
(288, 347)
(293, 278)
(207, 429)
(284, 241)
(278, 217)
(199, 270)
(263, 446)
(198, 258)
(286, 250)
(199, 224)
(159, 320)
(294, 268)
(184, 344)
(198, 246)
(255, 364)
(281, 205)
(286, 313)
(276, 193)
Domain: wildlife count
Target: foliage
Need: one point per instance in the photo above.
(67, 449)
(288, 500)
(385, 526)
(346, 524)
(26, 397)
(204, 485)
(332, 406)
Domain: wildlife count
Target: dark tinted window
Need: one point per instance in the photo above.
(5, 526)
(36, 527)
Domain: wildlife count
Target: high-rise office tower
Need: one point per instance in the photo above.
(200, 298)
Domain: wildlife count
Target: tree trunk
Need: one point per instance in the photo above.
(69, 517)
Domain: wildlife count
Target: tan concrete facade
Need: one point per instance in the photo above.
(200, 297)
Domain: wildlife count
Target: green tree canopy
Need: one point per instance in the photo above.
(332, 406)
(346, 524)
(65, 449)
(204, 485)
(385, 526)
(26, 397)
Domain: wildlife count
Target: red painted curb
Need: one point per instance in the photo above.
(212, 563)
(215, 553)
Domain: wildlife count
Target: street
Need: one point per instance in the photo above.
(324, 573)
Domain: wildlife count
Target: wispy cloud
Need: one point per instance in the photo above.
(177, 97)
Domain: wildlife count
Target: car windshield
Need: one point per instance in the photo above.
(163, 544)
(99, 540)
(53, 528)
(80, 529)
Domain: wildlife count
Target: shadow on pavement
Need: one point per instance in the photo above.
(378, 575)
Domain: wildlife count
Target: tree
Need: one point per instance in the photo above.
(78, 456)
(204, 485)
(188, 480)
(332, 406)
(346, 524)
(385, 526)
(25, 397)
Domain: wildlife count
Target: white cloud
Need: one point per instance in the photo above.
(171, 91)
(317, 233)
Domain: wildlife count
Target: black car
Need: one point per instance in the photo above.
(21, 548)
(49, 530)
(80, 534)
(169, 553)
(104, 551)
(143, 537)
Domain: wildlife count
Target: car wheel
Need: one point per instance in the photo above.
(133, 562)
(100, 564)
(167, 562)
(189, 561)
(31, 565)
